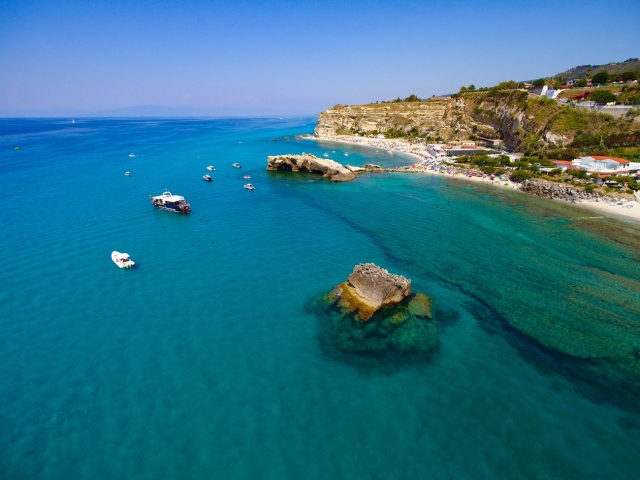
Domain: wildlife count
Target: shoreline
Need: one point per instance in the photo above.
(403, 147)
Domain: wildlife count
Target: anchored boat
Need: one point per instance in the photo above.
(123, 260)
(172, 203)
(207, 178)
(248, 186)
(210, 167)
(236, 165)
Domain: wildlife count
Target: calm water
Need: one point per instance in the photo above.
(209, 359)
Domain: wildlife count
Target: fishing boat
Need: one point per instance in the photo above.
(123, 260)
(127, 174)
(248, 186)
(207, 178)
(210, 167)
(170, 202)
(236, 165)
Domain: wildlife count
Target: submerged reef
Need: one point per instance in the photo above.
(376, 312)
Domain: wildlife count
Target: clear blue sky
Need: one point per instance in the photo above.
(286, 57)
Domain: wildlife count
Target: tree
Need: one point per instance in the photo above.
(412, 98)
(600, 78)
(471, 88)
(628, 76)
(602, 96)
(541, 82)
(463, 89)
(582, 83)
(520, 176)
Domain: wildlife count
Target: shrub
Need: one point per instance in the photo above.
(520, 176)
(602, 96)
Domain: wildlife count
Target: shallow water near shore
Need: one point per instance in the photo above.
(210, 358)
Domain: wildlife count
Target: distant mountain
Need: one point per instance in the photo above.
(614, 68)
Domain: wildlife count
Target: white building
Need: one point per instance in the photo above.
(602, 164)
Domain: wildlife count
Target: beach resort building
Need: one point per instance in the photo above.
(602, 164)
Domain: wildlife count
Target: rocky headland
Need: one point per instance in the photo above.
(522, 121)
(307, 162)
(375, 311)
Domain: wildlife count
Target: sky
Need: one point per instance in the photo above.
(255, 57)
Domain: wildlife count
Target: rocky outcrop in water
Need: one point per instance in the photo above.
(370, 288)
(307, 162)
(375, 312)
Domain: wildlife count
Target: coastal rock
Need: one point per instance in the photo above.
(307, 162)
(374, 312)
(370, 167)
(370, 288)
(355, 169)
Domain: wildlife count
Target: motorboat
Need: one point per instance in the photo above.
(236, 165)
(248, 186)
(210, 167)
(170, 202)
(127, 174)
(325, 154)
(346, 154)
(246, 177)
(123, 260)
(132, 155)
(207, 178)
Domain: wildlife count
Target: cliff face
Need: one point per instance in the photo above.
(523, 122)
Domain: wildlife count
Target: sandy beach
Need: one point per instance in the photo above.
(428, 165)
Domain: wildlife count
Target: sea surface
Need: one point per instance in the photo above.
(211, 359)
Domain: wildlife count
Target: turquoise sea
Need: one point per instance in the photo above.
(213, 357)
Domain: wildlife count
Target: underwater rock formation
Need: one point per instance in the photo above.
(307, 162)
(369, 288)
(375, 312)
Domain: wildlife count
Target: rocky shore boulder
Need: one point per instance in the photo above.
(307, 162)
(370, 288)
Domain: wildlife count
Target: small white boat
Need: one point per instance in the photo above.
(210, 167)
(132, 155)
(207, 178)
(123, 260)
(127, 174)
(73, 121)
(346, 154)
(236, 165)
(248, 186)
(246, 177)
(325, 154)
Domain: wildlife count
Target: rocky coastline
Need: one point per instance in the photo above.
(307, 162)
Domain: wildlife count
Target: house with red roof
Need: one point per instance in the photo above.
(602, 164)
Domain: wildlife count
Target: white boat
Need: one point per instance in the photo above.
(246, 177)
(172, 203)
(248, 186)
(236, 165)
(346, 154)
(132, 155)
(210, 167)
(207, 178)
(127, 174)
(123, 260)
(325, 154)
(73, 121)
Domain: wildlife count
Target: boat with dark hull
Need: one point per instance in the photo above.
(172, 203)
(207, 178)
